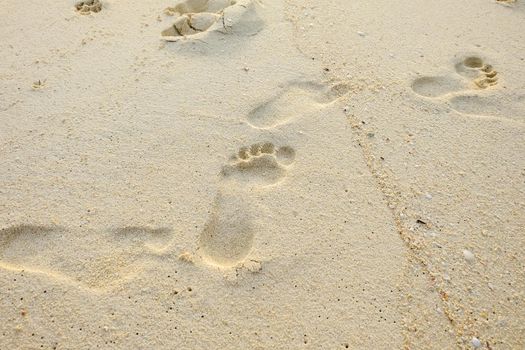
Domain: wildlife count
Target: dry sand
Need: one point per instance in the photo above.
(265, 174)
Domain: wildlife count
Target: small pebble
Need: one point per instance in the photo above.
(428, 196)
(469, 256)
(361, 33)
(476, 342)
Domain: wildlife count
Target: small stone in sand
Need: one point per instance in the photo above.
(469, 256)
(476, 343)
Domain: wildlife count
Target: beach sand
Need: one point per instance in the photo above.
(262, 174)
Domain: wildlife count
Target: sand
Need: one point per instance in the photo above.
(262, 174)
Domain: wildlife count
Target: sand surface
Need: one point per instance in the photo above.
(262, 174)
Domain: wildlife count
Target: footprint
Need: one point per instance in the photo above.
(228, 236)
(297, 98)
(88, 6)
(96, 260)
(472, 73)
(38, 249)
(194, 18)
(469, 91)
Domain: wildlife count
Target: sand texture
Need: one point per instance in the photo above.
(262, 174)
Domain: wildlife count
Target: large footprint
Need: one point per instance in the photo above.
(296, 99)
(195, 18)
(227, 238)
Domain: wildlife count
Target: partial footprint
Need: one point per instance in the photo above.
(509, 106)
(37, 249)
(481, 73)
(95, 260)
(296, 99)
(88, 6)
(260, 164)
(472, 74)
(196, 17)
(468, 92)
(228, 236)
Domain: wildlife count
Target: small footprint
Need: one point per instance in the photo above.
(296, 99)
(194, 18)
(228, 236)
(88, 6)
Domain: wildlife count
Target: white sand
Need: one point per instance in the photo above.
(263, 175)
